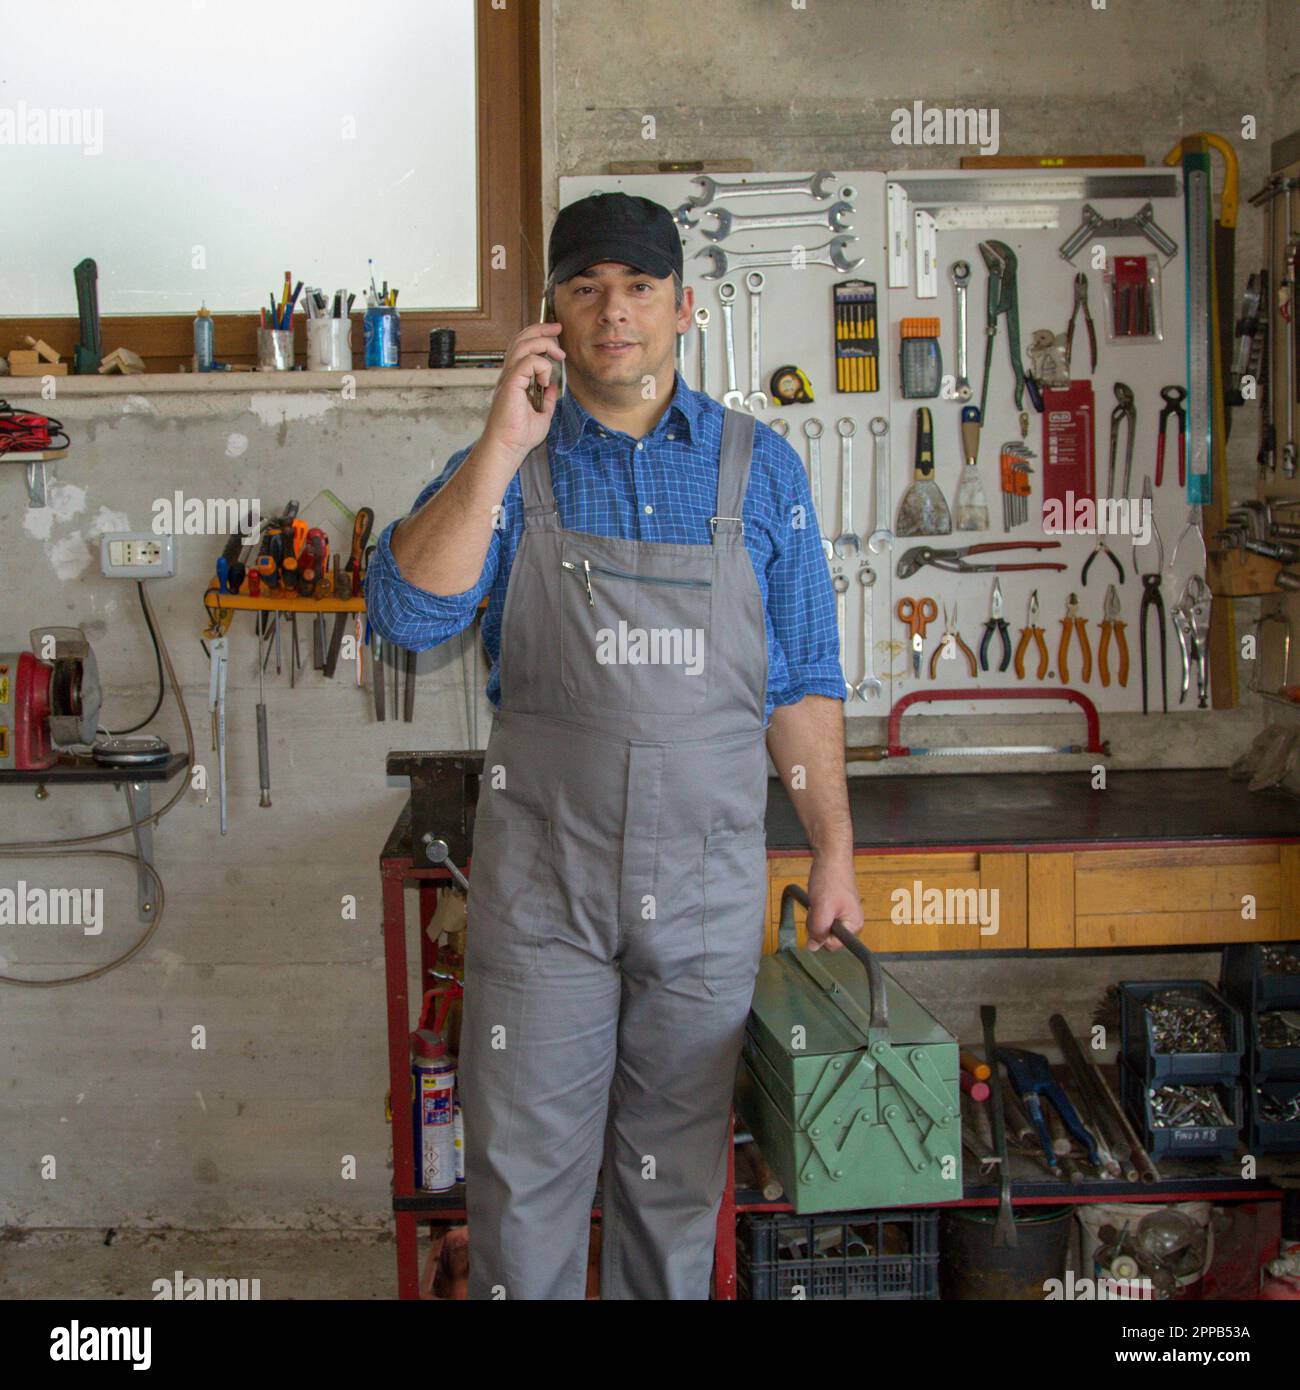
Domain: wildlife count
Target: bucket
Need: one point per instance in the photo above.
(1119, 1214)
(972, 1267)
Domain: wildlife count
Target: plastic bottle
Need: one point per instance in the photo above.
(203, 353)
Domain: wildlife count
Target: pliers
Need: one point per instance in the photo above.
(1152, 598)
(1173, 397)
(1035, 633)
(1072, 621)
(1191, 618)
(1032, 1079)
(997, 623)
(1101, 548)
(1081, 302)
(954, 561)
(1124, 410)
(1111, 623)
(951, 638)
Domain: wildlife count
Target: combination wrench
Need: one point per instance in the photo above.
(869, 686)
(711, 191)
(841, 587)
(881, 538)
(812, 432)
(847, 542)
(757, 398)
(727, 296)
(959, 273)
(795, 257)
(834, 217)
(702, 328)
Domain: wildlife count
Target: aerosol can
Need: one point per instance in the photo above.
(433, 1076)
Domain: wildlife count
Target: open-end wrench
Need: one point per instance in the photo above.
(881, 537)
(757, 398)
(959, 273)
(702, 328)
(835, 217)
(841, 587)
(711, 191)
(812, 432)
(847, 542)
(727, 296)
(869, 686)
(835, 258)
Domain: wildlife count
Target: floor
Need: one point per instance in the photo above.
(124, 1265)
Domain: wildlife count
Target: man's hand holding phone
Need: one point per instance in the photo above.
(514, 424)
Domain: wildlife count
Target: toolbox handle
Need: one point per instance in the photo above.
(786, 939)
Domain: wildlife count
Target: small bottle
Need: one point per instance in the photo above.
(203, 354)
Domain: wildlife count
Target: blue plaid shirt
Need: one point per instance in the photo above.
(661, 488)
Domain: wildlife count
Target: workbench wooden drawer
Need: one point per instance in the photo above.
(951, 901)
(1164, 897)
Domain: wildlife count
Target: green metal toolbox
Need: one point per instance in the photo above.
(849, 1086)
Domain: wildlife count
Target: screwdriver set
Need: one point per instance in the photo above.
(857, 344)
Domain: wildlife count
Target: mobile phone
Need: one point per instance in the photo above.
(536, 390)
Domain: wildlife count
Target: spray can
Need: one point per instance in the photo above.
(433, 1076)
(458, 1130)
(203, 353)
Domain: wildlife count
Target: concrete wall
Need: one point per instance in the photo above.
(254, 1129)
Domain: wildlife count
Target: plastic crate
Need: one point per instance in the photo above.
(877, 1255)
(1243, 979)
(1272, 1063)
(1191, 1141)
(1271, 1136)
(1137, 1046)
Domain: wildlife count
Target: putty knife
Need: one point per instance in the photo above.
(923, 510)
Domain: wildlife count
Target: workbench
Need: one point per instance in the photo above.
(1155, 860)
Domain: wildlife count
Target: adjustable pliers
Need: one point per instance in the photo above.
(1032, 633)
(954, 561)
(1032, 1079)
(1072, 621)
(996, 623)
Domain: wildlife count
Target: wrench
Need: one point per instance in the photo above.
(733, 396)
(757, 398)
(869, 685)
(812, 431)
(702, 326)
(834, 217)
(835, 258)
(841, 587)
(882, 538)
(780, 426)
(847, 542)
(712, 191)
(959, 272)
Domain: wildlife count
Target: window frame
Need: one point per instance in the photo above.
(508, 50)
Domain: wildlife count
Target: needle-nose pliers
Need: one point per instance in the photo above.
(950, 643)
(1032, 632)
(996, 623)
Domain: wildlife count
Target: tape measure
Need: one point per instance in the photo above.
(790, 386)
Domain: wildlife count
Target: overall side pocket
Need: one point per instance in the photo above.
(512, 895)
(735, 899)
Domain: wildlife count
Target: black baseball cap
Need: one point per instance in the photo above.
(614, 227)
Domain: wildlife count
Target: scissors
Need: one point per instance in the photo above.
(916, 616)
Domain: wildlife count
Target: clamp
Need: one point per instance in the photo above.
(1101, 548)
(1032, 632)
(1124, 410)
(1032, 1079)
(1191, 619)
(1112, 625)
(999, 623)
(950, 638)
(1173, 397)
(1073, 622)
(1081, 302)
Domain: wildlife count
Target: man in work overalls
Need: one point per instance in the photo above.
(657, 590)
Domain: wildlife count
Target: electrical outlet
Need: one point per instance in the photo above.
(137, 555)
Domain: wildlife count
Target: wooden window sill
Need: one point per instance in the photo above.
(251, 383)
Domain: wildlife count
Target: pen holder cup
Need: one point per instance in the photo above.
(274, 350)
(329, 345)
(383, 337)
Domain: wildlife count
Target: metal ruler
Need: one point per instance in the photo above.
(997, 216)
(1200, 371)
(928, 193)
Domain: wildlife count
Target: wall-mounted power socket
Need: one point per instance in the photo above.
(137, 555)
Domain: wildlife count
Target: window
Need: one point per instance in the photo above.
(196, 149)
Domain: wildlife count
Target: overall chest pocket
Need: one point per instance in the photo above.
(638, 642)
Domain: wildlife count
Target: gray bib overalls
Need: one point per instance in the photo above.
(617, 901)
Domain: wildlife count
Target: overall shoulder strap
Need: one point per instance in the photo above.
(535, 483)
(733, 470)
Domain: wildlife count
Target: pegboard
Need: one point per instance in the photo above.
(797, 328)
